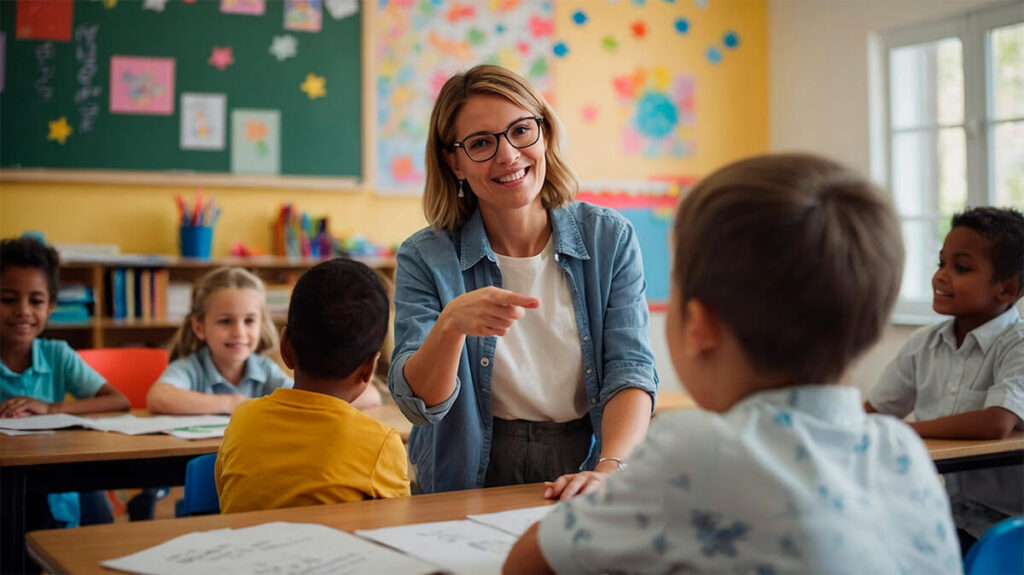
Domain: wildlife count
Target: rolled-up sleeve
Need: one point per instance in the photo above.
(417, 307)
(1007, 390)
(628, 359)
(896, 390)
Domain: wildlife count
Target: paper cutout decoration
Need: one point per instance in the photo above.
(659, 108)
(284, 47)
(141, 85)
(154, 5)
(111, 4)
(589, 113)
(713, 54)
(314, 86)
(731, 40)
(203, 121)
(560, 49)
(339, 9)
(302, 15)
(610, 44)
(682, 25)
(221, 57)
(59, 130)
(44, 20)
(638, 28)
(250, 7)
(255, 141)
(579, 17)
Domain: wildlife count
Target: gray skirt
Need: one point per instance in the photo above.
(534, 451)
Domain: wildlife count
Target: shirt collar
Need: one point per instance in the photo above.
(39, 362)
(474, 243)
(253, 370)
(833, 403)
(985, 334)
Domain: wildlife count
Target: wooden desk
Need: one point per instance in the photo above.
(964, 454)
(81, 550)
(673, 400)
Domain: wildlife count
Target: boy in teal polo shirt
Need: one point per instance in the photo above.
(36, 374)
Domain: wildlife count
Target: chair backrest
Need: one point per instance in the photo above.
(132, 370)
(201, 486)
(1000, 550)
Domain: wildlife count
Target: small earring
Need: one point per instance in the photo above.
(461, 193)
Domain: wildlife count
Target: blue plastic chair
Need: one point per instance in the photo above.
(999, 551)
(200, 488)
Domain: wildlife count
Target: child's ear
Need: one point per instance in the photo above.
(197, 328)
(368, 368)
(703, 330)
(1008, 290)
(287, 351)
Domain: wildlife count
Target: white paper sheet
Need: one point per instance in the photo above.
(464, 547)
(33, 422)
(272, 548)
(29, 432)
(515, 521)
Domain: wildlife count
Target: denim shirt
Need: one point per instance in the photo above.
(597, 249)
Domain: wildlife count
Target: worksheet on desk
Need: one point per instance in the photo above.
(277, 548)
(38, 422)
(464, 547)
(515, 521)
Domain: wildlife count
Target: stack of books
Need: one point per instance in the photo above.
(75, 304)
(137, 293)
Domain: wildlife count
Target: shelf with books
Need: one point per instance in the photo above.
(140, 300)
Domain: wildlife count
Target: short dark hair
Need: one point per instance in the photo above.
(32, 253)
(798, 256)
(1004, 230)
(337, 318)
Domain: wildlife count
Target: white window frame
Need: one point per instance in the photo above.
(972, 29)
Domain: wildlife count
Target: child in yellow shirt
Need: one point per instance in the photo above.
(308, 445)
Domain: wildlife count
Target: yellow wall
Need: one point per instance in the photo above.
(732, 121)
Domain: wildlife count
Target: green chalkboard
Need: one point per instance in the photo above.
(45, 80)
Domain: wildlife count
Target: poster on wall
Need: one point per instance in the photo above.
(421, 44)
(202, 121)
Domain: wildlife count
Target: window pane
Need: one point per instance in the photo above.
(922, 240)
(926, 83)
(1008, 164)
(929, 170)
(1006, 45)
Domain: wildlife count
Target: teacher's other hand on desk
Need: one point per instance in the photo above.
(573, 484)
(486, 311)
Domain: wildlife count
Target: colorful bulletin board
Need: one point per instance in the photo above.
(217, 86)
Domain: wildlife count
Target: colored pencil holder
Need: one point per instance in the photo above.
(196, 241)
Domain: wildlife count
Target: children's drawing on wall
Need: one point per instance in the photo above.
(141, 85)
(44, 20)
(302, 15)
(251, 7)
(657, 112)
(255, 141)
(421, 44)
(202, 121)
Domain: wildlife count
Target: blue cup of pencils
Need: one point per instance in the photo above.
(195, 232)
(196, 241)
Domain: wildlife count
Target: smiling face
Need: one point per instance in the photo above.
(230, 325)
(25, 305)
(964, 285)
(514, 177)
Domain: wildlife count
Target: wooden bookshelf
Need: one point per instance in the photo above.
(104, 331)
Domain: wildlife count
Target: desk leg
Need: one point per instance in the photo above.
(13, 492)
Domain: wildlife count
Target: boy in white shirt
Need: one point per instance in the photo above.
(786, 268)
(964, 378)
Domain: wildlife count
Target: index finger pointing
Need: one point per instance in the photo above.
(506, 297)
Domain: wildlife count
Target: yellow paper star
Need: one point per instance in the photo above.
(59, 130)
(314, 86)
(109, 4)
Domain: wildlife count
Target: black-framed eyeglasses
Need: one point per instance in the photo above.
(482, 146)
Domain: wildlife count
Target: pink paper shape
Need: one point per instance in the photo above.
(252, 7)
(589, 113)
(221, 57)
(142, 85)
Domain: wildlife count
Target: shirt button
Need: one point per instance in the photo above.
(590, 371)
(594, 401)
(556, 257)
(586, 338)
(485, 362)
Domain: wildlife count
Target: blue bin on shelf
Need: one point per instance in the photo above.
(196, 241)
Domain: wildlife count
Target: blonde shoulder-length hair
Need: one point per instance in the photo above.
(186, 342)
(441, 204)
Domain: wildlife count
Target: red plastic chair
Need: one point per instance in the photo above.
(132, 370)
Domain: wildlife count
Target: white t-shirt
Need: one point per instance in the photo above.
(538, 363)
(794, 480)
